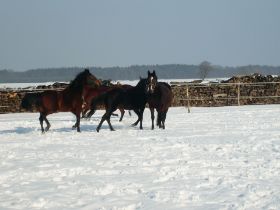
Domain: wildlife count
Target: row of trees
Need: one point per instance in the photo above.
(172, 71)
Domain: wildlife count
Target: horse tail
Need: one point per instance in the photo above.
(29, 100)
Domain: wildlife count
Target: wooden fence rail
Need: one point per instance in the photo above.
(185, 94)
(223, 96)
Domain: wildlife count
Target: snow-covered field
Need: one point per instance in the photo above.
(212, 158)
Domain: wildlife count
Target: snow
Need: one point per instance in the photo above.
(129, 82)
(211, 158)
(23, 85)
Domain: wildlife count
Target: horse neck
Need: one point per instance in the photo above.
(73, 92)
(89, 91)
(140, 85)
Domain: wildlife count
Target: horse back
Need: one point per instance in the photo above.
(165, 84)
(40, 101)
(94, 92)
(162, 97)
(134, 98)
(128, 98)
(49, 101)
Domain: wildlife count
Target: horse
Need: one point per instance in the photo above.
(94, 92)
(69, 99)
(160, 97)
(134, 98)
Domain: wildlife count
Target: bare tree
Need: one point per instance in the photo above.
(204, 68)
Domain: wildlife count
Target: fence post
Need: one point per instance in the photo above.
(188, 101)
(238, 93)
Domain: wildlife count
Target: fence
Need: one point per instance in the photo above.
(225, 94)
(185, 94)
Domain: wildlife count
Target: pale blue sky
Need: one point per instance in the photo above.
(65, 33)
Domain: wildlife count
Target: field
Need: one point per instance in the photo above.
(212, 158)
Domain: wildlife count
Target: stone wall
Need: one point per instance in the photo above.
(253, 89)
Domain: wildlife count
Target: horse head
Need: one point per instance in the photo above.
(83, 80)
(92, 81)
(151, 81)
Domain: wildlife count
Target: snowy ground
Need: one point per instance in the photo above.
(212, 158)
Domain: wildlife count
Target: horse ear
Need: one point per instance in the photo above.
(149, 73)
(86, 70)
(154, 72)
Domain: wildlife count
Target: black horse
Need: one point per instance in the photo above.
(134, 98)
(160, 97)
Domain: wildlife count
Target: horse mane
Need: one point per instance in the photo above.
(79, 80)
(142, 82)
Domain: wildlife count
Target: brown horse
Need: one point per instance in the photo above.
(160, 97)
(94, 92)
(68, 100)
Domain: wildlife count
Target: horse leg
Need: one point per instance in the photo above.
(74, 126)
(89, 114)
(77, 124)
(163, 119)
(141, 117)
(78, 119)
(122, 114)
(116, 115)
(159, 117)
(106, 117)
(100, 123)
(48, 123)
(152, 110)
(84, 113)
(109, 123)
(138, 114)
(41, 119)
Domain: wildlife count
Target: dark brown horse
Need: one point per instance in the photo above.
(160, 97)
(68, 100)
(134, 98)
(94, 92)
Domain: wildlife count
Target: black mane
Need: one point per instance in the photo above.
(142, 83)
(79, 81)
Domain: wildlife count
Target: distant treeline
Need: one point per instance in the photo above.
(171, 71)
